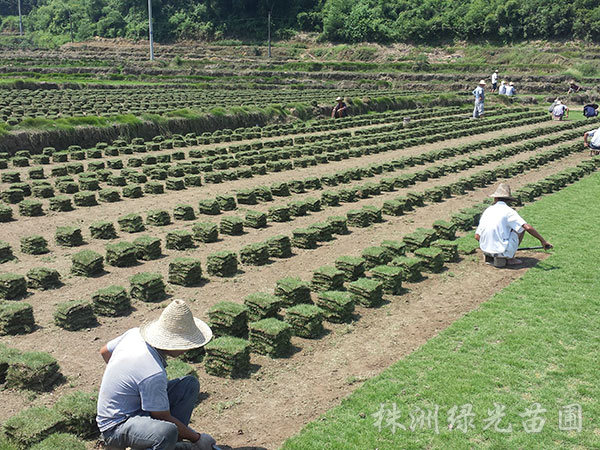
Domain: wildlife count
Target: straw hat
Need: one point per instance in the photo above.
(511, 84)
(503, 191)
(558, 102)
(339, 99)
(502, 82)
(176, 329)
(482, 82)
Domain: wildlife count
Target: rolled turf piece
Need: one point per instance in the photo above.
(185, 271)
(12, 286)
(327, 278)
(121, 254)
(43, 278)
(255, 254)
(353, 267)
(16, 318)
(36, 371)
(180, 240)
(280, 246)
(205, 232)
(103, 230)
(147, 248)
(34, 245)
(432, 259)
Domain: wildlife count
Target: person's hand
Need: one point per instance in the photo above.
(585, 144)
(205, 442)
(547, 245)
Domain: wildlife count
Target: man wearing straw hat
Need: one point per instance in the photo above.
(339, 110)
(479, 95)
(138, 406)
(501, 230)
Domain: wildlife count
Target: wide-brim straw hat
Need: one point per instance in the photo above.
(339, 99)
(482, 82)
(558, 102)
(176, 329)
(503, 191)
(511, 84)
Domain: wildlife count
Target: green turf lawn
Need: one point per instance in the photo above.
(536, 341)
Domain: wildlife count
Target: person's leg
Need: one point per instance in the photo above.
(142, 433)
(475, 115)
(511, 249)
(183, 395)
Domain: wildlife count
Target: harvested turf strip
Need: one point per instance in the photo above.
(79, 409)
(131, 223)
(180, 240)
(62, 441)
(12, 286)
(34, 245)
(103, 230)
(184, 212)
(178, 369)
(411, 267)
(353, 267)
(205, 232)
(280, 246)
(305, 238)
(256, 254)
(147, 248)
(376, 256)
(36, 371)
(255, 219)
(158, 218)
(6, 253)
(68, 236)
(327, 278)
(121, 254)
(396, 248)
(448, 248)
(32, 425)
(432, 259)
(366, 292)
(390, 276)
(232, 225)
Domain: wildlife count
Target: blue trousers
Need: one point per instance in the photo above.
(145, 433)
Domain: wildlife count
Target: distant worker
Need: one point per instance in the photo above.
(573, 87)
(502, 88)
(339, 110)
(551, 108)
(560, 111)
(591, 140)
(494, 80)
(510, 90)
(501, 230)
(479, 95)
(590, 110)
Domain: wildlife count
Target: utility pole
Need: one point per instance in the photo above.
(151, 35)
(20, 19)
(269, 32)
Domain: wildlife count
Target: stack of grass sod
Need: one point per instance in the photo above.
(222, 264)
(79, 411)
(246, 197)
(421, 237)
(147, 287)
(112, 301)
(147, 248)
(177, 368)
(6, 213)
(305, 238)
(358, 218)
(390, 276)
(411, 267)
(205, 232)
(306, 320)
(131, 223)
(449, 249)
(43, 278)
(195, 355)
(60, 203)
(366, 292)
(185, 271)
(74, 315)
(330, 198)
(229, 319)
(352, 266)
(16, 318)
(180, 240)
(261, 305)
(255, 219)
(184, 212)
(339, 224)
(298, 208)
(280, 246)
(270, 337)
(227, 202)
(327, 278)
(324, 231)
(280, 189)
(87, 263)
(34, 371)
(121, 254)
(292, 291)
(256, 254)
(63, 441)
(12, 286)
(34, 245)
(6, 253)
(376, 256)
(103, 230)
(227, 356)
(158, 218)
(432, 259)
(31, 208)
(68, 236)
(374, 213)
(395, 248)
(337, 306)
(7, 354)
(209, 207)
(445, 229)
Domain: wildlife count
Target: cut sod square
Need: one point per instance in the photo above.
(467, 246)
(16, 318)
(209, 206)
(32, 425)
(103, 230)
(12, 196)
(366, 292)
(222, 264)
(85, 198)
(352, 266)
(158, 218)
(147, 248)
(121, 254)
(262, 305)
(411, 267)
(445, 229)
(109, 195)
(280, 189)
(36, 371)
(256, 254)
(270, 337)
(395, 248)
(68, 236)
(280, 246)
(6, 253)
(205, 232)
(376, 256)
(60, 203)
(339, 224)
(112, 301)
(264, 194)
(178, 368)
(154, 187)
(306, 320)
(390, 276)
(292, 291)
(449, 249)
(180, 240)
(327, 278)
(7, 354)
(228, 356)
(255, 219)
(175, 184)
(373, 213)
(421, 237)
(132, 191)
(74, 315)
(34, 245)
(31, 208)
(324, 231)
(279, 213)
(298, 208)
(337, 306)
(43, 278)
(432, 259)
(229, 319)
(358, 218)
(232, 225)
(147, 287)
(185, 271)
(131, 223)
(6, 213)
(184, 212)
(330, 198)
(80, 410)
(246, 197)
(87, 263)
(12, 286)
(305, 238)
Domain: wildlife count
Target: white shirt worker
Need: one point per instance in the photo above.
(498, 230)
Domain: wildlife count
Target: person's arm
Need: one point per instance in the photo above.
(185, 432)
(532, 231)
(106, 354)
(585, 139)
(477, 237)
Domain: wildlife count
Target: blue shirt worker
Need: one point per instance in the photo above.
(138, 406)
(591, 139)
(479, 95)
(510, 90)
